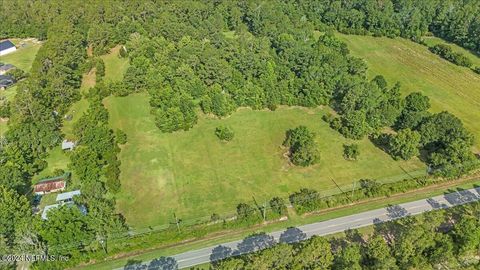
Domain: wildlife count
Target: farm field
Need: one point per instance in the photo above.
(449, 87)
(193, 174)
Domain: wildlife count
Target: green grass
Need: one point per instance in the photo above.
(115, 67)
(193, 174)
(449, 87)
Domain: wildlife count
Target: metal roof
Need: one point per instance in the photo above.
(5, 45)
(67, 195)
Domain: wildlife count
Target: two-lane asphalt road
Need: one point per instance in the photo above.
(261, 241)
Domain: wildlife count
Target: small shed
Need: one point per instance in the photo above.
(50, 185)
(5, 68)
(7, 47)
(68, 145)
(67, 197)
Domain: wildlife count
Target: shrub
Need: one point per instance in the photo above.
(224, 133)
(121, 136)
(278, 206)
(477, 70)
(303, 149)
(447, 53)
(245, 211)
(351, 152)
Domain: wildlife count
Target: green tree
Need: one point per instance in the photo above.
(314, 254)
(350, 257)
(303, 150)
(278, 206)
(377, 254)
(245, 211)
(66, 231)
(404, 144)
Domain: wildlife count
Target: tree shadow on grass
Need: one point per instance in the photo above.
(292, 235)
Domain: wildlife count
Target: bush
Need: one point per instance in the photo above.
(477, 70)
(121, 136)
(351, 152)
(447, 53)
(224, 133)
(302, 147)
(17, 74)
(278, 206)
(245, 211)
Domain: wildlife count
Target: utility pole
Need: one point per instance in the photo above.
(177, 222)
(264, 210)
(353, 190)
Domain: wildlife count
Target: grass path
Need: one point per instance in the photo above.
(450, 87)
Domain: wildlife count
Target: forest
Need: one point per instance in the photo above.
(213, 57)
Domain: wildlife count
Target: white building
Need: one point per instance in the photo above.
(7, 47)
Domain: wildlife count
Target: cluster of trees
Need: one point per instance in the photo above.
(247, 213)
(303, 150)
(309, 200)
(441, 239)
(447, 53)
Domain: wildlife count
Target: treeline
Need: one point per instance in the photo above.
(457, 21)
(310, 200)
(442, 239)
(447, 53)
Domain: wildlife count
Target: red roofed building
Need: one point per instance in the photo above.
(50, 185)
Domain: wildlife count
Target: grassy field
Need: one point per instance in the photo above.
(193, 174)
(450, 87)
(22, 58)
(115, 67)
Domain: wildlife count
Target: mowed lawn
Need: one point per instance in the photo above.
(193, 174)
(450, 87)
